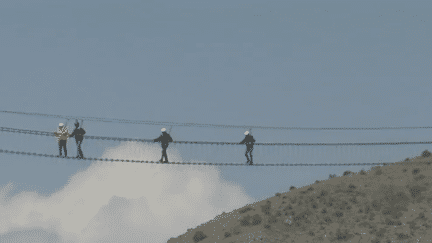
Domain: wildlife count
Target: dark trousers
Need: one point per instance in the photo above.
(62, 143)
(164, 154)
(249, 152)
(79, 152)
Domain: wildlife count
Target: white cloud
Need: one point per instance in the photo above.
(115, 201)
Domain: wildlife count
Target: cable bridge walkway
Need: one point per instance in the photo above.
(51, 134)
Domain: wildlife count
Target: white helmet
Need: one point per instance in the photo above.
(61, 124)
(163, 129)
(247, 132)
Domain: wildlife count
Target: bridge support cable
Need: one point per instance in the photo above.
(203, 125)
(183, 163)
(43, 133)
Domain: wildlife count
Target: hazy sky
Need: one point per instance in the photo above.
(263, 63)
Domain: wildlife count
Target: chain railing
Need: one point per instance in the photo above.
(183, 163)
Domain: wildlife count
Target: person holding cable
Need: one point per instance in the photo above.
(62, 135)
(165, 138)
(249, 141)
(78, 133)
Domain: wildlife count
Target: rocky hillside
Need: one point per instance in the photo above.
(390, 203)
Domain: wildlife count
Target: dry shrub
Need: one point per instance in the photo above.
(266, 208)
(378, 172)
(199, 236)
(292, 187)
(278, 194)
(419, 178)
(426, 153)
(352, 186)
(245, 221)
(245, 210)
(332, 176)
(416, 171)
(347, 173)
(256, 219)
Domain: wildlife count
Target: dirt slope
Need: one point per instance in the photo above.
(391, 203)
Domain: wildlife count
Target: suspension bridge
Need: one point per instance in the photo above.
(225, 145)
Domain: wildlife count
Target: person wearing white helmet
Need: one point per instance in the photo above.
(165, 138)
(249, 141)
(62, 135)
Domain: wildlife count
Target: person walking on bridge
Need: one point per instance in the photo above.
(78, 133)
(165, 138)
(249, 141)
(62, 135)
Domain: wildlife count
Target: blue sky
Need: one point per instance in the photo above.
(262, 63)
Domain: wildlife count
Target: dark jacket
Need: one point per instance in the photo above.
(78, 133)
(248, 140)
(165, 138)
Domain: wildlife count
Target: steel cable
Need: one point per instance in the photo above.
(201, 124)
(183, 163)
(43, 133)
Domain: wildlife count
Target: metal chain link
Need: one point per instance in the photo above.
(34, 132)
(199, 124)
(184, 163)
